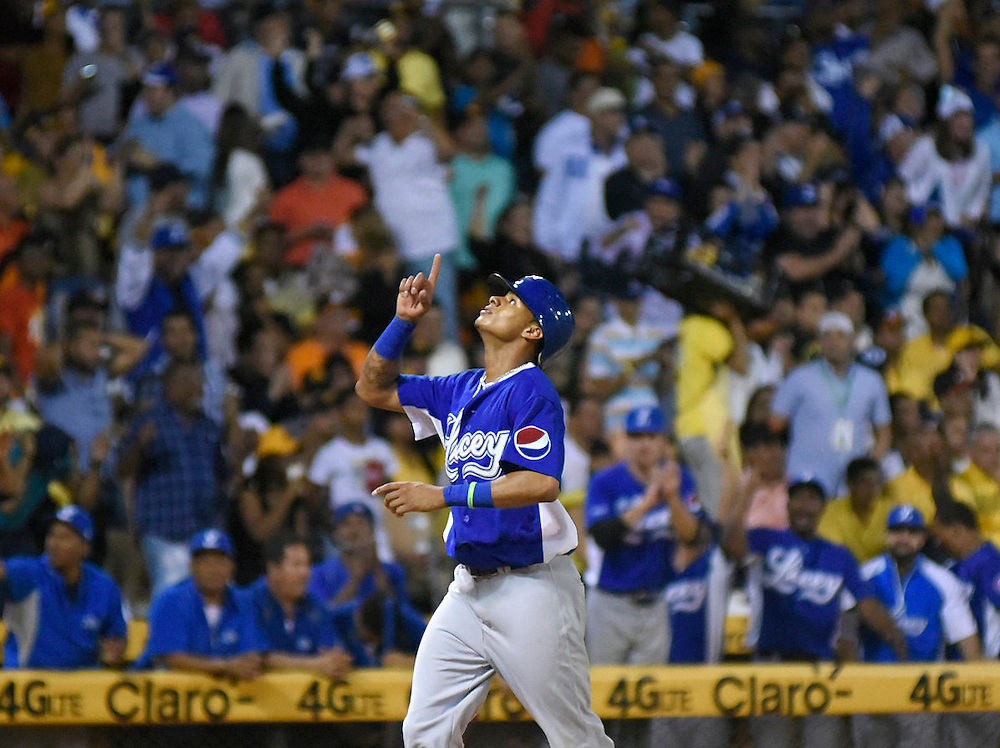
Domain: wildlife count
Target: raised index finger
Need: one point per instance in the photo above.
(435, 271)
(384, 489)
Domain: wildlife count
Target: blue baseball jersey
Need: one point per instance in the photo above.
(980, 573)
(798, 590)
(641, 562)
(178, 625)
(930, 607)
(403, 628)
(489, 430)
(308, 633)
(696, 601)
(55, 627)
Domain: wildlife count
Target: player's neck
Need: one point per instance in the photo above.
(501, 361)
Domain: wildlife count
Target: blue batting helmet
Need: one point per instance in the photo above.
(547, 304)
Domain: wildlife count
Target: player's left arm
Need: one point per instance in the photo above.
(521, 488)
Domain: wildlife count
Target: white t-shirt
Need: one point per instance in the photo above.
(568, 129)
(411, 193)
(964, 186)
(351, 472)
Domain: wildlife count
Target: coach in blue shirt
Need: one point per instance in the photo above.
(298, 628)
(356, 572)
(202, 624)
(380, 630)
(62, 612)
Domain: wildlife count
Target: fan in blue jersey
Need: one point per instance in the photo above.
(978, 566)
(932, 609)
(516, 607)
(800, 584)
(696, 597)
(634, 510)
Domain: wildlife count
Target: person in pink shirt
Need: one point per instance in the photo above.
(764, 475)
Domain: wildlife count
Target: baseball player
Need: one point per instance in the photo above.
(516, 606)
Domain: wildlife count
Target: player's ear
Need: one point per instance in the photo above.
(532, 331)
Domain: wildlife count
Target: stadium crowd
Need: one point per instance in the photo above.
(206, 207)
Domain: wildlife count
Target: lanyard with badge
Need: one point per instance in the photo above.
(842, 436)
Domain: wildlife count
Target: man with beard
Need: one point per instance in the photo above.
(932, 609)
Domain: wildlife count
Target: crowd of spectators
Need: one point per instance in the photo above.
(206, 207)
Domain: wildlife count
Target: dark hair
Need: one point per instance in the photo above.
(371, 614)
(276, 545)
(856, 468)
(951, 513)
(758, 434)
(179, 313)
(270, 475)
(236, 130)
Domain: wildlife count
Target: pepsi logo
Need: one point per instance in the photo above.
(532, 443)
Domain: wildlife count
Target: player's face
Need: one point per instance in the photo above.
(212, 571)
(65, 547)
(805, 507)
(905, 542)
(290, 578)
(505, 317)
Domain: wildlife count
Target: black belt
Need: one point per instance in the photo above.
(481, 573)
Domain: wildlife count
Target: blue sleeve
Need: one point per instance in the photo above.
(950, 254)
(689, 490)
(760, 539)
(853, 581)
(326, 634)
(253, 638)
(326, 581)
(763, 222)
(114, 626)
(433, 394)
(538, 438)
(600, 504)
(23, 575)
(397, 577)
(168, 627)
(990, 584)
(412, 626)
(897, 264)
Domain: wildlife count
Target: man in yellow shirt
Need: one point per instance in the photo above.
(858, 519)
(709, 347)
(930, 354)
(981, 477)
(929, 467)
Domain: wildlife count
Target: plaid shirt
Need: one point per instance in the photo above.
(177, 489)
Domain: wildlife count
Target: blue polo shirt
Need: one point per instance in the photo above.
(329, 577)
(641, 562)
(930, 607)
(310, 632)
(798, 590)
(53, 626)
(177, 624)
(402, 631)
(980, 573)
(696, 601)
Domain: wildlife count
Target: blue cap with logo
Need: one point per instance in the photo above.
(547, 304)
(171, 235)
(664, 188)
(212, 540)
(344, 511)
(645, 420)
(78, 519)
(906, 515)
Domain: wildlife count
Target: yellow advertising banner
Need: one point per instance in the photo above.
(161, 698)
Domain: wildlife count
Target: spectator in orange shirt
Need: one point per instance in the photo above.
(331, 334)
(314, 205)
(13, 227)
(23, 291)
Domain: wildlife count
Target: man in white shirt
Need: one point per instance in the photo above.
(354, 463)
(568, 129)
(570, 203)
(408, 166)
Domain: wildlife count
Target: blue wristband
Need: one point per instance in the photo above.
(392, 342)
(471, 495)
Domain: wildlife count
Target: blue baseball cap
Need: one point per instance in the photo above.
(78, 519)
(919, 214)
(906, 515)
(664, 188)
(160, 74)
(645, 420)
(171, 235)
(547, 304)
(800, 195)
(344, 511)
(212, 540)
